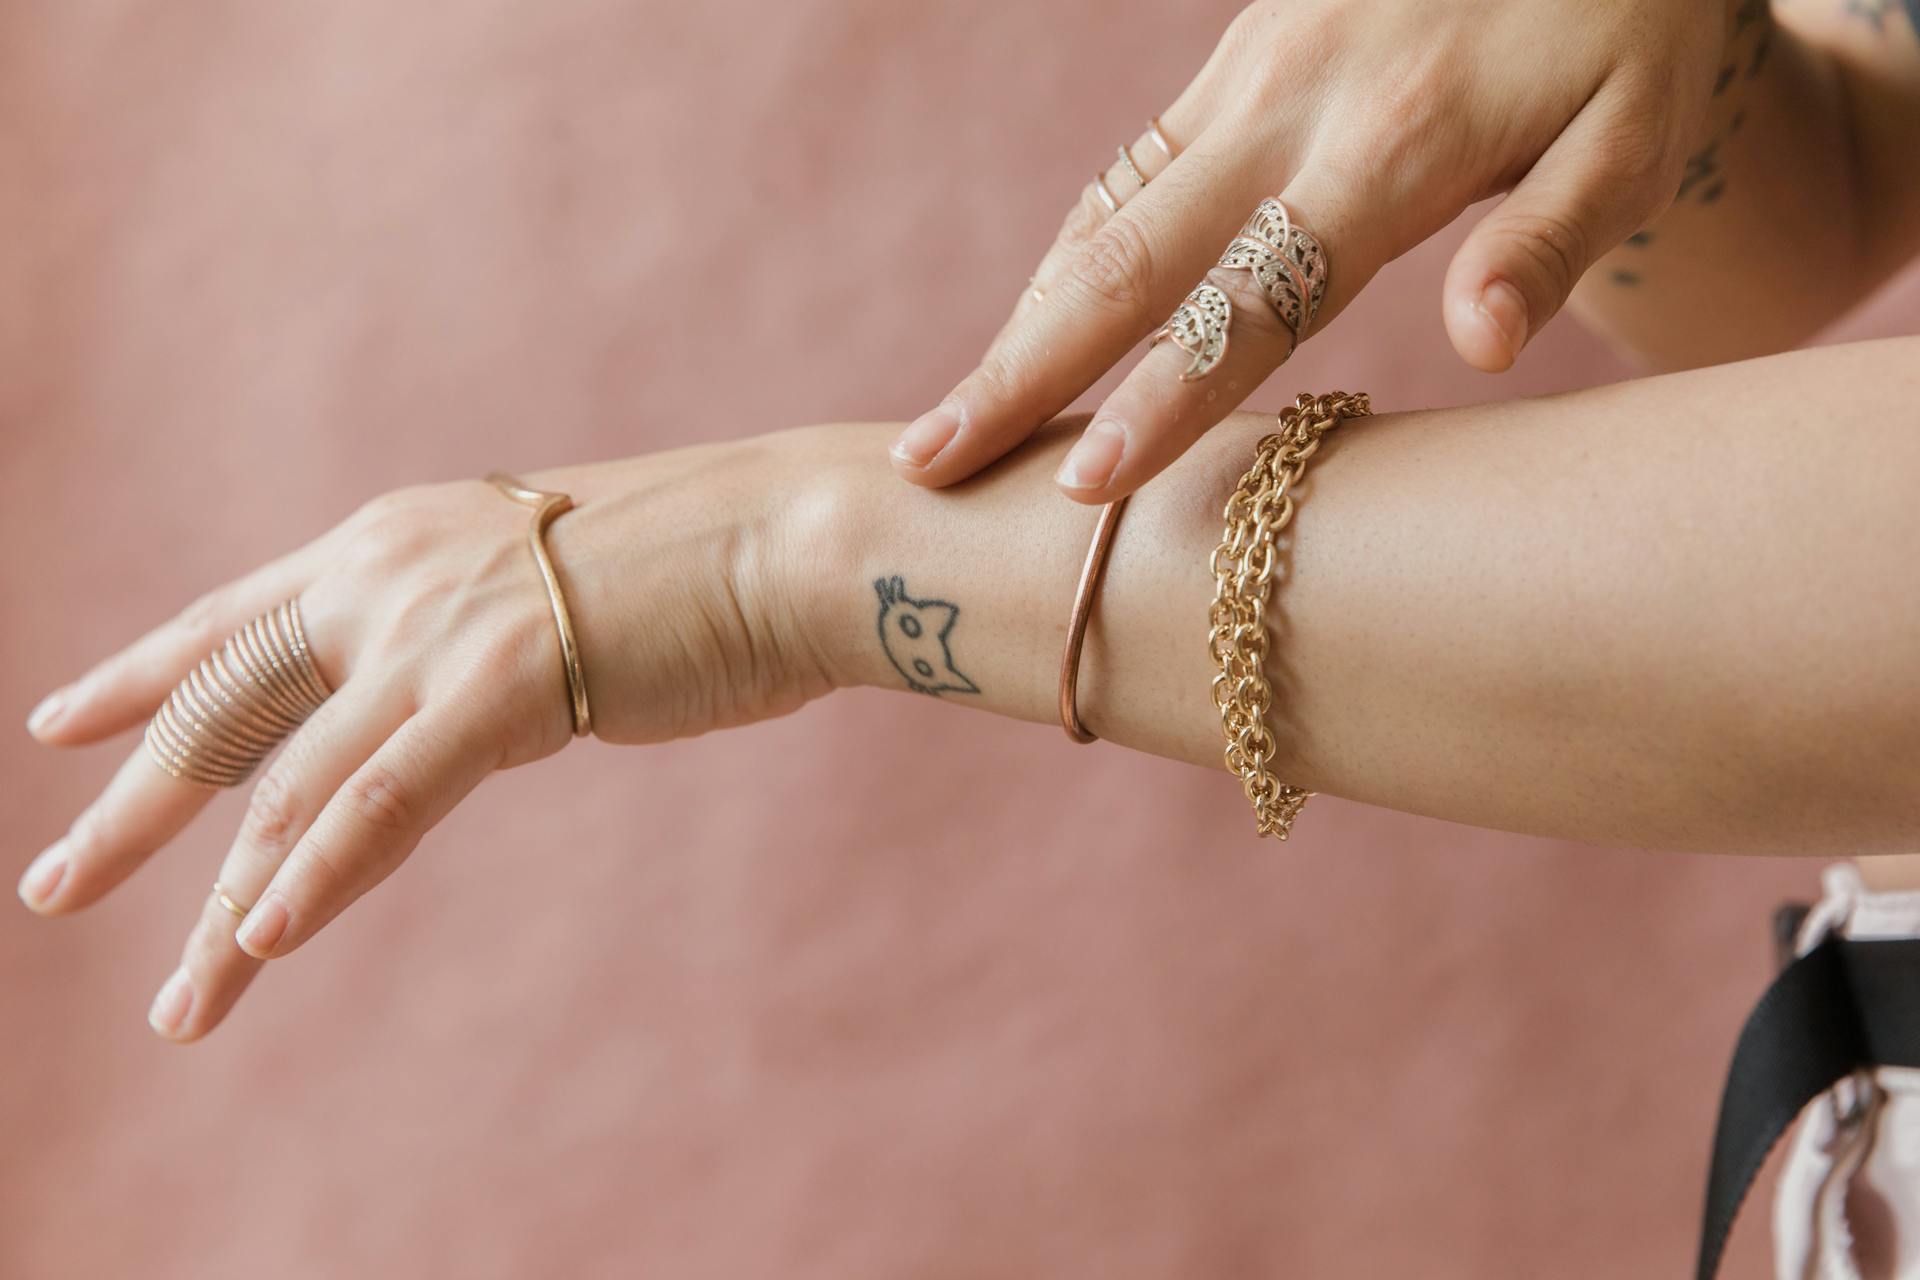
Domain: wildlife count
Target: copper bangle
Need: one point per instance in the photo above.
(548, 507)
(1077, 622)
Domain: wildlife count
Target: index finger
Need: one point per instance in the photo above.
(1116, 286)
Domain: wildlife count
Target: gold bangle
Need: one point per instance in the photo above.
(547, 507)
(1243, 566)
(1090, 572)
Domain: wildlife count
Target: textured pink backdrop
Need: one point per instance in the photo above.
(933, 995)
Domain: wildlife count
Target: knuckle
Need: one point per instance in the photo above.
(273, 812)
(379, 799)
(1280, 71)
(1555, 247)
(1254, 319)
(1001, 377)
(1114, 267)
(210, 945)
(1085, 218)
(1637, 152)
(202, 621)
(390, 534)
(91, 835)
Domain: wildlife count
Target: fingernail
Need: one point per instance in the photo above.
(47, 712)
(170, 1006)
(43, 875)
(1506, 310)
(1091, 461)
(923, 440)
(262, 928)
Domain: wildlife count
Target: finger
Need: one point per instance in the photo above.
(1598, 183)
(1159, 410)
(1117, 285)
(141, 809)
(213, 971)
(1222, 81)
(369, 827)
(1134, 165)
(124, 690)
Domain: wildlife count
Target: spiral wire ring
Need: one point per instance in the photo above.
(240, 702)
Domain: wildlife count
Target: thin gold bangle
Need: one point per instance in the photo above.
(1090, 572)
(548, 507)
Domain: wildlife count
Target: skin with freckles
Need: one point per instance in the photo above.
(1594, 646)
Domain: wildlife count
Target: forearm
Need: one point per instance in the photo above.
(1677, 612)
(1794, 205)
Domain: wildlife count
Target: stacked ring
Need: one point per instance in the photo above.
(1287, 263)
(1127, 162)
(240, 703)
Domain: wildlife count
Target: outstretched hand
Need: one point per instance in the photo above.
(427, 618)
(1375, 124)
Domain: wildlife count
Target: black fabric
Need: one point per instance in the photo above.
(1842, 1006)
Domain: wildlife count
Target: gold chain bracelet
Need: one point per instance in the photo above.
(1243, 566)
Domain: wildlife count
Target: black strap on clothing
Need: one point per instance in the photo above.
(1842, 1006)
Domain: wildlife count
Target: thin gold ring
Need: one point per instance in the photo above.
(1105, 193)
(1126, 162)
(228, 902)
(1159, 138)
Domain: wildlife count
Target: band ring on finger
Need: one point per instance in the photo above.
(1287, 263)
(241, 702)
(1132, 167)
(226, 900)
(1159, 137)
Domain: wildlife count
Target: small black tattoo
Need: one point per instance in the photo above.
(914, 635)
(1627, 278)
(1640, 239)
(1724, 79)
(1714, 192)
(1872, 12)
(1749, 12)
(1702, 166)
(1761, 47)
(1739, 118)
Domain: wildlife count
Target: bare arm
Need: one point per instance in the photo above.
(1803, 196)
(1679, 612)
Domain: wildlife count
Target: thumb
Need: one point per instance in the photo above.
(1596, 185)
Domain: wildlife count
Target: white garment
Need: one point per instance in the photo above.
(1847, 1206)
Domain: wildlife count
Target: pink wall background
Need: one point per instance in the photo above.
(933, 995)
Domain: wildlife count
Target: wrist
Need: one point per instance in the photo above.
(832, 500)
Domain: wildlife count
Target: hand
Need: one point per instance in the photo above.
(1377, 124)
(428, 618)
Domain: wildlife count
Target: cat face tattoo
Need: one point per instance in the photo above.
(914, 634)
